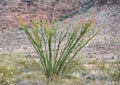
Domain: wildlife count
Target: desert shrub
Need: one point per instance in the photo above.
(57, 48)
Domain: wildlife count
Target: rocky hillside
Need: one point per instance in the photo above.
(44, 9)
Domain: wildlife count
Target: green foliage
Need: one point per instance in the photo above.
(56, 59)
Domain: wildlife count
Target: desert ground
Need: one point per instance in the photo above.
(105, 45)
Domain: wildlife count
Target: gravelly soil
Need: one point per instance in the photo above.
(105, 45)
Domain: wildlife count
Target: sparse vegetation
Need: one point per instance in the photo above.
(16, 67)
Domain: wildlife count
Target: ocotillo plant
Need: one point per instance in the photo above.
(47, 40)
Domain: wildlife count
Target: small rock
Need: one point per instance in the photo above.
(91, 77)
(27, 1)
(20, 28)
(24, 83)
(3, 2)
(38, 83)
